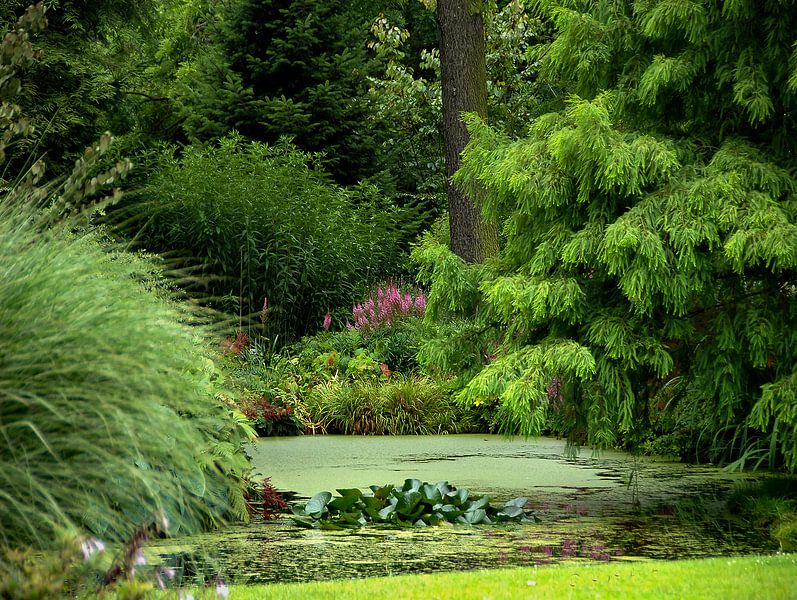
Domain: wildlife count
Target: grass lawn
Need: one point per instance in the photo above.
(764, 577)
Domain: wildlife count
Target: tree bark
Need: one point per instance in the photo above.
(464, 79)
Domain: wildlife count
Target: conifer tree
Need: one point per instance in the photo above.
(651, 242)
(292, 68)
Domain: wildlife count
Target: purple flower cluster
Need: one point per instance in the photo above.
(391, 304)
(554, 390)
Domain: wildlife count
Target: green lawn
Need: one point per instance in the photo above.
(770, 577)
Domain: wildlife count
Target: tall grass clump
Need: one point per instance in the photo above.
(273, 236)
(110, 416)
(104, 416)
(401, 406)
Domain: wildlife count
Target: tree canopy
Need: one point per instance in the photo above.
(650, 230)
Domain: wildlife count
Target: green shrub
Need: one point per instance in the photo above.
(266, 225)
(399, 406)
(107, 407)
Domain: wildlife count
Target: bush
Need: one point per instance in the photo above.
(266, 225)
(107, 407)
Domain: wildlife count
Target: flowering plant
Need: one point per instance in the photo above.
(390, 305)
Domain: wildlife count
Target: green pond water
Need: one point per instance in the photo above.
(606, 507)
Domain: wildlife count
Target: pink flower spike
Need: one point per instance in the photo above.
(420, 303)
(369, 306)
(406, 303)
(327, 321)
(349, 326)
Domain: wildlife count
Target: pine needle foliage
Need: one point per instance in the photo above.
(650, 226)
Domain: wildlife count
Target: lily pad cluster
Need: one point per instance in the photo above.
(416, 503)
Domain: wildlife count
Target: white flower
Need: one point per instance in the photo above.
(89, 546)
(222, 590)
(164, 520)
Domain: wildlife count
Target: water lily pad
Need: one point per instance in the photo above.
(458, 497)
(343, 503)
(318, 504)
(411, 485)
(382, 492)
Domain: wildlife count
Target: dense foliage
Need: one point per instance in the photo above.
(289, 68)
(650, 231)
(275, 238)
(109, 413)
(95, 435)
(87, 78)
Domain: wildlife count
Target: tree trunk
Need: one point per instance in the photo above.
(464, 78)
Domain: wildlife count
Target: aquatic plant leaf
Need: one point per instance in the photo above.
(436, 519)
(472, 517)
(478, 502)
(382, 492)
(372, 502)
(408, 502)
(351, 518)
(412, 485)
(443, 486)
(373, 513)
(511, 512)
(318, 504)
(343, 503)
(387, 513)
(350, 492)
(420, 523)
(521, 502)
(458, 497)
(431, 494)
(450, 512)
(304, 522)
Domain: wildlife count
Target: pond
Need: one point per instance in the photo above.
(608, 507)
